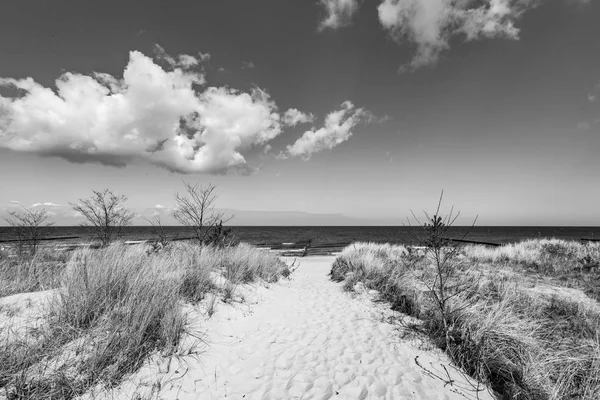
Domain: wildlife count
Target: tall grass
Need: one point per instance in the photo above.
(522, 345)
(572, 263)
(19, 274)
(116, 306)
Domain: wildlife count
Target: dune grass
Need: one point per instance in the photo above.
(521, 344)
(30, 273)
(567, 263)
(115, 307)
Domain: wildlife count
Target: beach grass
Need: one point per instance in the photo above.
(516, 329)
(42, 271)
(112, 308)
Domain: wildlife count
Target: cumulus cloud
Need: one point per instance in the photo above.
(336, 130)
(247, 64)
(592, 98)
(293, 117)
(150, 114)
(339, 13)
(429, 24)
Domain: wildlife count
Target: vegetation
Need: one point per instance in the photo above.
(504, 330)
(196, 210)
(42, 271)
(29, 226)
(105, 213)
(117, 305)
(555, 261)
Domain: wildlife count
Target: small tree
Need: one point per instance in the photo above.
(196, 210)
(105, 214)
(444, 284)
(29, 225)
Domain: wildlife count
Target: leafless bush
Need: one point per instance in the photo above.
(196, 210)
(105, 213)
(159, 230)
(29, 226)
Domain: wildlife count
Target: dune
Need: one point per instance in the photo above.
(302, 338)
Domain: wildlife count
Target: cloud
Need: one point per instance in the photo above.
(182, 61)
(247, 64)
(293, 117)
(584, 125)
(15, 202)
(159, 206)
(592, 98)
(336, 130)
(46, 204)
(150, 114)
(339, 13)
(429, 24)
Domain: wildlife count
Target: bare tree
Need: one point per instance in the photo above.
(196, 210)
(105, 213)
(159, 230)
(30, 225)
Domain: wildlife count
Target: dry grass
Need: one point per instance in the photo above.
(116, 306)
(521, 344)
(562, 262)
(29, 274)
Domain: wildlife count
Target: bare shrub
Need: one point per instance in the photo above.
(105, 213)
(29, 226)
(196, 210)
(159, 231)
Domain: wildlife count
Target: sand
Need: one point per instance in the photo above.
(21, 314)
(300, 339)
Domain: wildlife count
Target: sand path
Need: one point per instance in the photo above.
(308, 339)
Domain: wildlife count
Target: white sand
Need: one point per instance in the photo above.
(302, 339)
(21, 314)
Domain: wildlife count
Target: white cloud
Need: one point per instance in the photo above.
(247, 64)
(339, 13)
(429, 24)
(46, 204)
(293, 117)
(592, 98)
(185, 61)
(159, 206)
(15, 202)
(151, 115)
(336, 130)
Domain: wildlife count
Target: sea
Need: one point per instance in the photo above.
(324, 235)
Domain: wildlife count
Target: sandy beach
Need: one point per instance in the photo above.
(302, 338)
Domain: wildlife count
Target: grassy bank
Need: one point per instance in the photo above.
(509, 320)
(112, 308)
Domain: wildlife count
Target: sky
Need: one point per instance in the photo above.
(305, 112)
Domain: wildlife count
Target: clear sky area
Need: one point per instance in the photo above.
(305, 112)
